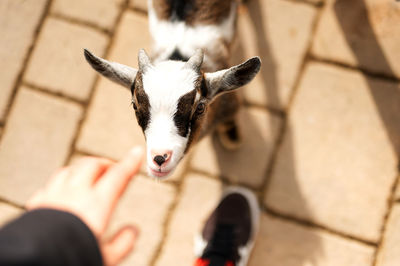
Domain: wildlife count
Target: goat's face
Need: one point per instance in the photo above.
(165, 98)
(170, 100)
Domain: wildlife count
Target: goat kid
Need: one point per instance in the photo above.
(187, 89)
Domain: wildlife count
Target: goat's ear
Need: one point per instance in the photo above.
(231, 78)
(119, 73)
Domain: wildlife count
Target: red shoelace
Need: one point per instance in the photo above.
(205, 262)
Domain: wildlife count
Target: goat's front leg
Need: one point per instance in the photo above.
(229, 134)
(223, 114)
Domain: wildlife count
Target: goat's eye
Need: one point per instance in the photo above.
(200, 108)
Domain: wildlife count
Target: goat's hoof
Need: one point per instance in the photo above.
(229, 138)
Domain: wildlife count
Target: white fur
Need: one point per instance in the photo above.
(168, 35)
(165, 83)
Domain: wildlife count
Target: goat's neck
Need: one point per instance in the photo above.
(170, 37)
(213, 60)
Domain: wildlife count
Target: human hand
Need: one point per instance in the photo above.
(91, 190)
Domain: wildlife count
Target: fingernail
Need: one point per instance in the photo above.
(136, 151)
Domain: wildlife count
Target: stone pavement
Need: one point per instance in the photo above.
(321, 124)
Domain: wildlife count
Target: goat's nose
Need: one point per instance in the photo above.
(159, 160)
(161, 156)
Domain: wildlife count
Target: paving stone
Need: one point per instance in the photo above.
(139, 4)
(132, 35)
(360, 33)
(18, 21)
(397, 192)
(102, 13)
(35, 142)
(8, 213)
(199, 197)
(337, 162)
(58, 64)
(388, 254)
(145, 204)
(75, 158)
(249, 163)
(287, 244)
(280, 42)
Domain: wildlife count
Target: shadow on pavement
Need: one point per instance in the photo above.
(286, 154)
(355, 24)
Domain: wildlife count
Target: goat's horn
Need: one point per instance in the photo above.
(144, 60)
(196, 60)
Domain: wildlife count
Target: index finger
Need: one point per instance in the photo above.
(88, 170)
(116, 179)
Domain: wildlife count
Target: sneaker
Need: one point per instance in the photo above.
(229, 233)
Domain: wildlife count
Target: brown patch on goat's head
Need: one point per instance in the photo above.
(183, 113)
(191, 109)
(140, 102)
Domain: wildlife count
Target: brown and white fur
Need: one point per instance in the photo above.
(186, 89)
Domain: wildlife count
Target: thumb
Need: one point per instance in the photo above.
(119, 246)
